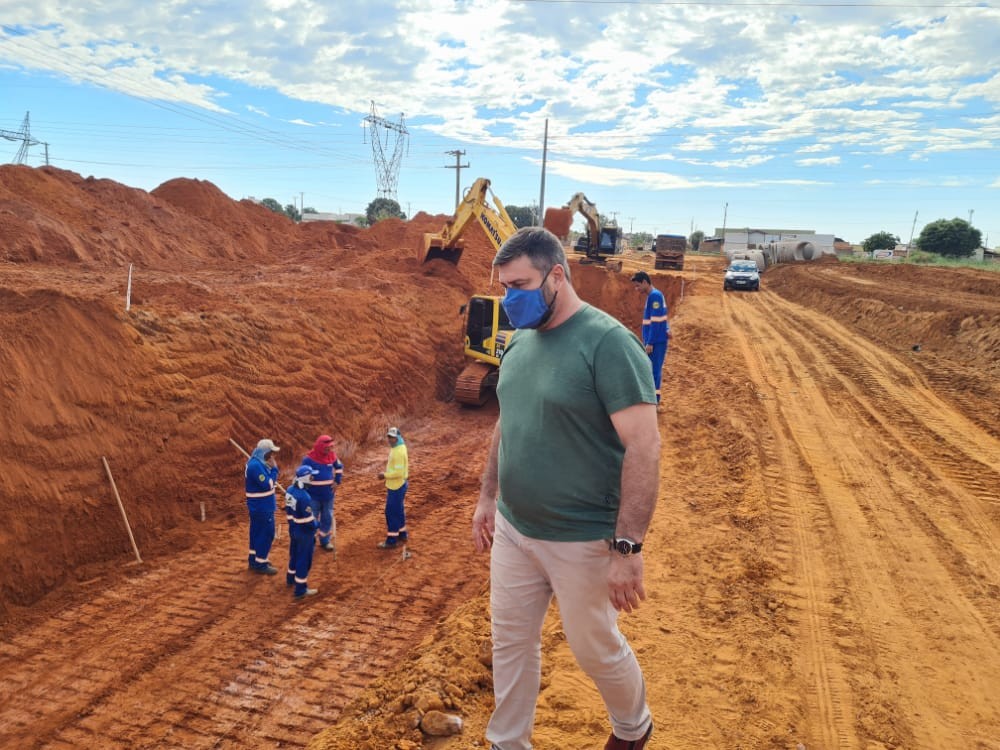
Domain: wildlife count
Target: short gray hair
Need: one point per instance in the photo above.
(542, 248)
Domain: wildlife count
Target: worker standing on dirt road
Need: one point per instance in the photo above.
(302, 526)
(568, 490)
(330, 470)
(655, 327)
(396, 474)
(260, 477)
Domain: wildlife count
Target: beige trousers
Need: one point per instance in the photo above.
(524, 575)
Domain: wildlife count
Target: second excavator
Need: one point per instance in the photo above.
(600, 239)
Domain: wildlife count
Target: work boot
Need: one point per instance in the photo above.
(614, 743)
(304, 594)
(266, 570)
(330, 547)
(386, 545)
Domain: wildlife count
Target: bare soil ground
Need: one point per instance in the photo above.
(823, 568)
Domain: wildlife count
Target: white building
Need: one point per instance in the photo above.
(745, 239)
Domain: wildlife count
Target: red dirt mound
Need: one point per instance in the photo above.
(242, 324)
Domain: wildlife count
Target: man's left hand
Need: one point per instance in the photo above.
(625, 589)
(381, 475)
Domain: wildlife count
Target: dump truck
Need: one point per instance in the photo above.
(669, 249)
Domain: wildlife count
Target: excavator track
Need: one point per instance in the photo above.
(475, 384)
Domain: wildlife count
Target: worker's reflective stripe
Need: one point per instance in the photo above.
(300, 580)
(338, 471)
(321, 482)
(657, 319)
(258, 560)
(393, 533)
(310, 519)
(645, 321)
(260, 494)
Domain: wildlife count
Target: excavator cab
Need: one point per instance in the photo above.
(487, 333)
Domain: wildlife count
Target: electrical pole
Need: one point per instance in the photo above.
(458, 167)
(545, 154)
(725, 210)
(912, 229)
(971, 211)
(631, 221)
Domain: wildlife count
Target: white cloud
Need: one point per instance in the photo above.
(818, 161)
(620, 84)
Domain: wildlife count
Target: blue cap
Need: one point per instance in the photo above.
(306, 471)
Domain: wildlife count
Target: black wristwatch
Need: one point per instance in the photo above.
(626, 546)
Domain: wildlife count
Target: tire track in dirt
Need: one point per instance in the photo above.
(897, 540)
(225, 656)
(942, 447)
(790, 482)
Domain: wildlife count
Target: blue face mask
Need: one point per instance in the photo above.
(527, 308)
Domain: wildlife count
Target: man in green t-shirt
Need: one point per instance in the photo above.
(569, 488)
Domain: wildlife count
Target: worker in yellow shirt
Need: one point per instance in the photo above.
(396, 473)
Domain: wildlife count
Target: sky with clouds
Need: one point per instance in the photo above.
(843, 118)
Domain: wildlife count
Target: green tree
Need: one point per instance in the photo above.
(383, 208)
(292, 212)
(880, 241)
(273, 205)
(695, 239)
(956, 238)
(522, 216)
(309, 210)
(640, 240)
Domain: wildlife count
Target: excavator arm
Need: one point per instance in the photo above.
(474, 208)
(580, 203)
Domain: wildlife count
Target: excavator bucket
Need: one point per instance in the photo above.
(434, 247)
(558, 221)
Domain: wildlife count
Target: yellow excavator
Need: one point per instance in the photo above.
(487, 329)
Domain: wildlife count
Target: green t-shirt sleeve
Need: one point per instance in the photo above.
(623, 376)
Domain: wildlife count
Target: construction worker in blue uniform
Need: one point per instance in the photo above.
(302, 525)
(260, 478)
(655, 327)
(324, 459)
(396, 474)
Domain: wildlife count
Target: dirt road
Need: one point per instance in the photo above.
(823, 568)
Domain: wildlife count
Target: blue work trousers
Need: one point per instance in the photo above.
(395, 515)
(656, 358)
(323, 510)
(261, 537)
(300, 555)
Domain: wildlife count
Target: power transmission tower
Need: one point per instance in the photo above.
(458, 167)
(392, 138)
(24, 136)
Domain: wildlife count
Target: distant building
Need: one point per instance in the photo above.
(746, 238)
(342, 218)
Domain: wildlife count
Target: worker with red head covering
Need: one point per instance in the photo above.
(330, 471)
